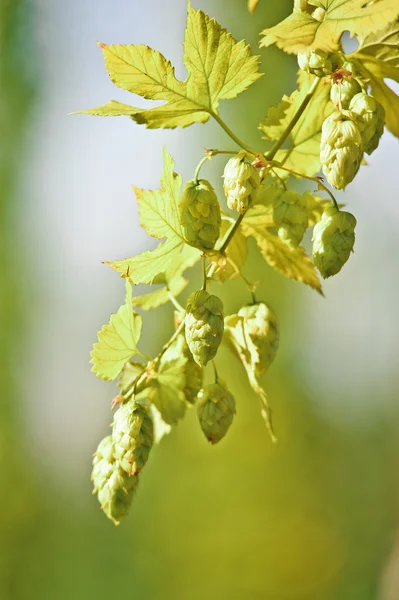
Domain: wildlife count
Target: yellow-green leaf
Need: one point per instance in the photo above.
(294, 264)
(117, 341)
(218, 68)
(378, 59)
(252, 4)
(319, 24)
(112, 109)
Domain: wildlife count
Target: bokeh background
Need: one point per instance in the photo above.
(314, 517)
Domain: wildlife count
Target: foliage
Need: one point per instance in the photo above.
(328, 122)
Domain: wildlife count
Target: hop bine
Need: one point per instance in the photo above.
(216, 408)
(204, 326)
(241, 180)
(290, 214)
(341, 149)
(114, 488)
(261, 326)
(370, 118)
(333, 241)
(200, 214)
(133, 436)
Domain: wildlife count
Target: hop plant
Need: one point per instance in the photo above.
(114, 488)
(341, 150)
(216, 408)
(204, 326)
(290, 214)
(133, 436)
(333, 241)
(261, 326)
(317, 62)
(343, 92)
(200, 214)
(370, 118)
(241, 180)
(194, 375)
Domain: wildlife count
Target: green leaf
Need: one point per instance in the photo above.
(230, 264)
(378, 59)
(304, 152)
(244, 349)
(218, 68)
(294, 264)
(112, 109)
(117, 341)
(316, 207)
(165, 387)
(277, 117)
(319, 24)
(252, 4)
(130, 373)
(159, 215)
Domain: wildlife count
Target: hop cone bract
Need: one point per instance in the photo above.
(204, 326)
(241, 180)
(200, 214)
(193, 373)
(317, 62)
(290, 214)
(341, 150)
(115, 489)
(133, 436)
(344, 92)
(370, 120)
(261, 326)
(333, 241)
(216, 408)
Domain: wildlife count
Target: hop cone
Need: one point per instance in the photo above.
(261, 327)
(370, 120)
(133, 436)
(290, 215)
(216, 408)
(200, 214)
(333, 241)
(194, 375)
(344, 92)
(204, 326)
(317, 62)
(341, 150)
(240, 181)
(115, 489)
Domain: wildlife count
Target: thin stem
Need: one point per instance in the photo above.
(204, 276)
(168, 344)
(272, 153)
(175, 303)
(200, 165)
(231, 232)
(143, 356)
(215, 371)
(233, 136)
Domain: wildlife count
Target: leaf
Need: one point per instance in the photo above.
(277, 119)
(159, 215)
(112, 109)
(130, 373)
(244, 349)
(304, 153)
(165, 387)
(229, 264)
(316, 206)
(117, 341)
(252, 4)
(378, 59)
(172, 277)
(218, 68)
(319, 24)
(294, 264)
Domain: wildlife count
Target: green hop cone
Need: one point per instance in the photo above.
(261, 326)
(341, 150)
(317, 62)
(200, 214)
(194, 375)
(241, 180)
(333, 241)
(133, 436)
(204, 326)
(114, 488)
(370, 120)
(216, 408)
(344, 92)
(290, 214)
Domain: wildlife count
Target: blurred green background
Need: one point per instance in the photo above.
(314, 517)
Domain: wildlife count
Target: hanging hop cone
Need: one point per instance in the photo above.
(193, 373)
(241, 180)
(370, 120)
(133, 436)
(341, 150)
(204, 326)
(216, 408)
(114, 488)
(333, 241)
(344, 92)
(317, 62)
(200, 214)
(261, 327)
(290, 215)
